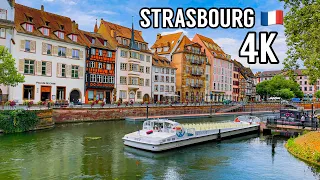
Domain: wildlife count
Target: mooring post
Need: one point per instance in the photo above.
(147, 112)
(219, 135)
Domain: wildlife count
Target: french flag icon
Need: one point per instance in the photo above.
(271, 18)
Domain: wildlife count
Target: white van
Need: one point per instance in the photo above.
(274, 99)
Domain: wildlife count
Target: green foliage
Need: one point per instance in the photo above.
(20, 120)
(317, 94)
(9, 75)
(279, 86)
(302, 27)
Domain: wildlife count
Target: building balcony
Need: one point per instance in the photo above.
(197, 62)
(196, 73)
(196, 85)
(133, 86)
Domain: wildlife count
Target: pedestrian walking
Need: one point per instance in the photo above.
(303, 118)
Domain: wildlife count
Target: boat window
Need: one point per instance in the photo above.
(173, 139)
(168, 139)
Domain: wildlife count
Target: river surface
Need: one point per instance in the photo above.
(95, 151)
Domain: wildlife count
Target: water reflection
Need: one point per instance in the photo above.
(96, 151)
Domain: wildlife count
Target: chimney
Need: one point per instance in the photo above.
(77, 26)
(42, 8)
(158, 36)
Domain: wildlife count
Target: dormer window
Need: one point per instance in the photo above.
(47, 23)
(30, 19)
(62, 27)
(74, 37)
(29, 27)
(93, 41)
(61, 35)
(45, 31)
(105, 43)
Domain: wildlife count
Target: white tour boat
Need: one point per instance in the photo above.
(164, 134)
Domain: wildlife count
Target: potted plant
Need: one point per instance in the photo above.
(28, 103)
(141, 103)
(126, 103)
(92, 103)
(131, 103)
(101, 103)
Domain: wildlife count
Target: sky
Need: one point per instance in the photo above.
(85, 13)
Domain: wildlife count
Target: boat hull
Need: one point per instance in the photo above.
(190, 141)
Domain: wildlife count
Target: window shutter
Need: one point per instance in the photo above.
(69, 53)
(59, 69)
(38, 68)
(44, 48)
(33, 46)
(68, 71)
(21, 66)
(49, 68)
(80, 72)
(55, 50)
(23, 45)
(81, 54)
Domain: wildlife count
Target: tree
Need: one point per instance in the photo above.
(317, 94)
(302, 27)
(279, 86)
(9, 75)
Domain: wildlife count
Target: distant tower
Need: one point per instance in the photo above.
(96, 27)
(132, 37)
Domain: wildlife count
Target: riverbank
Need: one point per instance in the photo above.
(306, 147)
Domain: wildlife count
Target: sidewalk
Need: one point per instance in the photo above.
(182, 116)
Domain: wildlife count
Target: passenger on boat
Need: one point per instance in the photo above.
(250, 120)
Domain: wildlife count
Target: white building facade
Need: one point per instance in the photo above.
(163, 79)
(6, 32)
(52, 62)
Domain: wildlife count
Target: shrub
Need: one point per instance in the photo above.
(18, 120)
(101, 103)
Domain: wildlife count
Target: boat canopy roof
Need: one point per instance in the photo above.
(161, 121)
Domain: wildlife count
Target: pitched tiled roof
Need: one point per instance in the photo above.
(160, 61)
(39, 17)
(184, 42)
(99, 40)
(169, 40)
(273, 73)
(245, 71)
(219, 53)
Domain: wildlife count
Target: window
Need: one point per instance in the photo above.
(139, 94)
(167, 88)
(123, 80)
(104, 79)
(27, 46)
(3, 14)
(133, 81)
(142, 69)
(75, 72)
(141, 57)
(108, 66)
(123, 53)
(75, 53)
(123, 66)
(100, 65)
(92, 64)
(29, 27)
(161, 88)
(147, 82)
(172, 79)
(162, 79)
(167, 79)
(105, 43)
(99, 78)
(61, 35)
(93, 51)
(29, 66)
(110, 79)
(141, 82)
(123, 94)
(74, 38)
(156, 78)
(2, 33)
(167, 71)
(172, 89)
(100, 52)
(63, 70)
(148, 59)
(43, 68)
(93, 78)
(305, 88)
(28, 92)
(49, 49)
(45, 31)
(305, 82)
(134, 55)
(148, 70)
(124, 41)
(109, 54)
(156, 88)
(310, 88)
(134, 67)
(62, 51)
(93, 40)
(61, 91)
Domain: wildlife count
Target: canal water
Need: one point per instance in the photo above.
(95, 151)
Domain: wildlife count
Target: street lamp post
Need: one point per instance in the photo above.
(312, 115)
(147, 112)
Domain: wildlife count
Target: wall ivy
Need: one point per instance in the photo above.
(19, 120)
